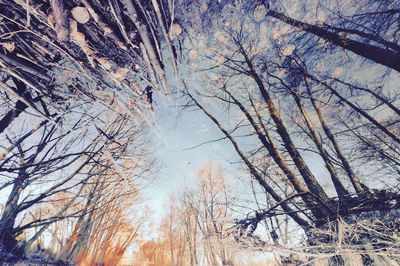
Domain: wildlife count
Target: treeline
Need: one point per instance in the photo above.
(198, 227)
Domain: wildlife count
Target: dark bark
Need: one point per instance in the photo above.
(378, 96)
(368, 36)
(20, 106)
(11, 115)
(14, 62)
(340, 189)
(277, 157)
(9, 215)
(377, 54)
(363, 113)
(358, 187)
(300, 221)
(310, 180)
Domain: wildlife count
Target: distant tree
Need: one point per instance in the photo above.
(196, 229)
(210, 199)
(104, 231)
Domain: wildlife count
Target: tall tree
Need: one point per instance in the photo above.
(273, 95)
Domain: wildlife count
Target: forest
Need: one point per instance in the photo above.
(300, 99)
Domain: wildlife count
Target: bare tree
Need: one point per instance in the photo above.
(273, 100)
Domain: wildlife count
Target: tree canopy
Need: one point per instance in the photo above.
(306, 93)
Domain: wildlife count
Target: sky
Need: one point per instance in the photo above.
(183, 140)
(177, 136)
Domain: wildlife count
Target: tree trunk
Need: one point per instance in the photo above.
(9, 215)
(302, 167)
(363, 113)
(340, 189)
(12, 114)
(358, 187)
(274, 152)
(268, 189)
(144, 35)
(379, 55)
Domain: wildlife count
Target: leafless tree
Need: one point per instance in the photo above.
(298, 114)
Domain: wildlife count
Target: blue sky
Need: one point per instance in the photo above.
(176, 138)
